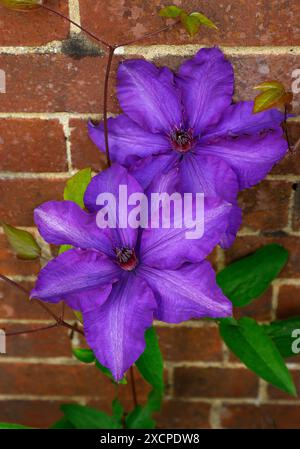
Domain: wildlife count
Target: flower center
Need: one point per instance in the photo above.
(182, 140)
(126, 258)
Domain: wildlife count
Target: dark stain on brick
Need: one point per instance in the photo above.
(78, 46)
(274, 234)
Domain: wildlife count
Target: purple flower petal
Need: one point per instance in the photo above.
(127, 139)
(115, 331)
(190, 292)
(239, 119)
(148, 95)
(72, 272)
(234, 223)
(108, 182)
(207, 83)
(145, 170)
(169, 248)
(64, 222)
(251, 157)
(208, 174)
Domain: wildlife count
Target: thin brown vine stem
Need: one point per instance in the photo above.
(147, 35)
(133, 387)
(31, 331)
(58, 319)
(62, 16)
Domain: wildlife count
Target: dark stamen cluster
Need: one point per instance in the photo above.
(126, 258)
(182, 140)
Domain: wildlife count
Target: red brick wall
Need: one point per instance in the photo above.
(54, 82)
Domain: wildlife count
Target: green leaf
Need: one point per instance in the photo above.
(190, 23)
(22, 242)
(76, 186)
(84, 355)
(82, 417)
(150, 364)
(118, 412)
(170, 11)
(64, 248)
(4, 425)
(22, 5)
(250, 343)
(267, 85)
(248, 278)
(63, 423)
(284, 334)
(107, 373)
(203, 20)
(141, 416)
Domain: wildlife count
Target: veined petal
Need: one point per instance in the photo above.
(115, 331)
(207, 83)
(72, 272)
(109, 181)
(148, 95)
(208, 174)
(251, 157)
(190, 292)
(64, 222)
(169, 248)
(145, 170)
(127, 139)
(239, 119)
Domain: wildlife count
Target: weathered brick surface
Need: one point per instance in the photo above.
(214, 382)
(32, 146)
(16, 28)
(70, 84)
(122, 21)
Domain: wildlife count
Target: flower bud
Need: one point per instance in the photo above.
(21, 5)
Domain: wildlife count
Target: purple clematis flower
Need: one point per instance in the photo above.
(120, 279)
(188, 121)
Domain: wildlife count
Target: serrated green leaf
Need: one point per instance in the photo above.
(63, 423)
(76, 186)
(248, 278)
(82, 417)
(22, 242)
(285, 336)
(150, 364)
(203, 20)
(250, 343)
(170, 11)
(190, 23)
(84, 355)
(7, 426)
(141, 416)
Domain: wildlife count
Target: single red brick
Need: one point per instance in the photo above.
(267, 416)
(41, 144)
(183, 415)
(21, 196)
(190, 344)
(246, 245)
(52, 380)
(47, 343)
(38, 414)
(214, 382)
(255, 203)
(119, 22)
(54, 83)
(288, 301)
(16, 27)
(84, 151)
